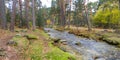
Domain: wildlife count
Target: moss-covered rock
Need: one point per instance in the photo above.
(12, 43)
(2, 52)
(20, 41)
(57, 54)
(18, 35)
(112, 40)
(31, 37)
(23, 30)
(17, 30)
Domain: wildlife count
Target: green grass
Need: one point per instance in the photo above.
(57, 54)
(41, 32)
(21, 41)
(113, 40)
(31, 36)
(33, 49)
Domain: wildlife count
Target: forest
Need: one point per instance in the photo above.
(59, 29)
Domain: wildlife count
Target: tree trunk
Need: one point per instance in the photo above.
(12, 24)
(87, 17)
(27, 13)
(62, 12)
(119, 4)
(33, 14)
(3, 15)
(69, 14)
(21, 20)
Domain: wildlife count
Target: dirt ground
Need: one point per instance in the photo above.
(7, 52)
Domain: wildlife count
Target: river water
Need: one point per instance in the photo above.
(89, 49)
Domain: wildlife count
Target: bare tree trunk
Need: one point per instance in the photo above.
(119, 4)
(62, 12)
(61, 4)
(21, 20)
(33, 14)
(26, 13)
(59, 20)
(69, 14)
(87, 17)
(12, 24)
(3, 15)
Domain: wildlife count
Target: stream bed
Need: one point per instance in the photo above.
(89, 49)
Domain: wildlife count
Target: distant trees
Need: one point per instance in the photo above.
(27, 13)
(30, 14)
(20, 13)
(3, 15)
(87, 17)
(13, 14)
(62, 12)
(108, 15)
(58, 10)
(33, 15)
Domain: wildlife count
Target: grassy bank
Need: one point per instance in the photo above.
(106, 35)
(36, 45)
(98, 35)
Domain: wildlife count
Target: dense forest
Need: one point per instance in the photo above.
(27, 14)
(30, 30)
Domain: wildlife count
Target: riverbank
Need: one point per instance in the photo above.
(106, 35)
(89, 49)
(31, 45)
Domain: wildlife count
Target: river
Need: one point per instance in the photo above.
(89, 49)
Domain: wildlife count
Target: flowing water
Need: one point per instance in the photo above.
(89, 49)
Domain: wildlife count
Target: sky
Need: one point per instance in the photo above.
(48, 2)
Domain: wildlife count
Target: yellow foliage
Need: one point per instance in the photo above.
(48, 22)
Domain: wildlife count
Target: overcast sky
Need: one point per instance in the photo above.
(48, 2)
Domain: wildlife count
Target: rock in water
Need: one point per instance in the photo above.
(78, 43)
(57, 40)
(64, 42)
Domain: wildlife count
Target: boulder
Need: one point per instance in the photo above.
(56, 40)
(11, 43)
(2, 53)
(64, 42)
(24, 30)
(31, 37)
(17, 31)
(18, 35)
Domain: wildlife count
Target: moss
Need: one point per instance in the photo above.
(17, 30)
(18, 35)
(31, 37)
(41, 32)
(113, 40)
(35, 51)
(21, 41)
(24, 30)
(57, 54)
